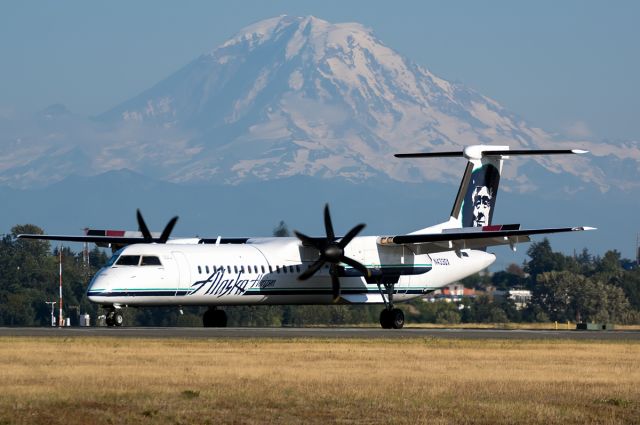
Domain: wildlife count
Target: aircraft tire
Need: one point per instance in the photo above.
(118, 320)
(385, 319)
(397, 318)
(207, 319)
(220, 319)
(214, 318)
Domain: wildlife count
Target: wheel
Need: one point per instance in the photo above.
(397, 318)
(207, 319)
(219, 319)
(385, 319)
(214, 318)
(118, 320)
(109, 318)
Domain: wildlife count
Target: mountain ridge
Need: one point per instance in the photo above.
(299, 96)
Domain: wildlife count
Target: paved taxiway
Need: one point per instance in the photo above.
(291, 333)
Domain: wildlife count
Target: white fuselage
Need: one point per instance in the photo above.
(265, 271)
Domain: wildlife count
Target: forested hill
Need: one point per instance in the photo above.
(565, 288)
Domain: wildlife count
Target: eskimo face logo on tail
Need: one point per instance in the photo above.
(480, 198)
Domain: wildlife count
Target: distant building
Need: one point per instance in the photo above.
(520, 297)
(451, 293)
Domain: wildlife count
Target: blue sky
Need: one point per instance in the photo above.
(569, 66)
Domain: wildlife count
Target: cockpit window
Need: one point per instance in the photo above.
(128, 260)
(114, 257)
(150, 261)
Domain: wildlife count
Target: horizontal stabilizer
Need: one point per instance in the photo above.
(507, 152)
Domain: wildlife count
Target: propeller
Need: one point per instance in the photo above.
(332, 252)
(146, 234)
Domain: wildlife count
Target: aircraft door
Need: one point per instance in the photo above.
(184, 272)
(407, 261)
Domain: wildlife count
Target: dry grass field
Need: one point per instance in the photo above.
(174, 381)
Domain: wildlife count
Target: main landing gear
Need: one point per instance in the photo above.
(114, 317)
(214, 318)
(390, 317)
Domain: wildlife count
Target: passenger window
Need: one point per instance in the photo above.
(255, 269)
(128, 260)
(199, 270)
(228, 269)
(150, 261)
(277, 269)
(291, 269)
(284, 269)
(241, 269)
(235, 269)
(297, 268)
(262, 268)
(206, 268)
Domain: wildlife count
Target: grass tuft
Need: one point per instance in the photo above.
(189, 394)
(616, 402)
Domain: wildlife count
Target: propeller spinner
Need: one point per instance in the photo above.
(332, 252)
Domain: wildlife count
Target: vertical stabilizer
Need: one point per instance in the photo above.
(476, 199)
(475, 202)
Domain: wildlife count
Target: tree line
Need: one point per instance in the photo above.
(578, 288)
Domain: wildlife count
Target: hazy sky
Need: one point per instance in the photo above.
(567, 66)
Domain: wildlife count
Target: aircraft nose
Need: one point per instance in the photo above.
(489, 259)
(98, 285)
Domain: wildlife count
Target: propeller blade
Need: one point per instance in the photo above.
(146, 234)
(331, 236)
(356, 265)
(352, 234)
(335, 283)
(312, 269)
(164, 237)
(308, 241)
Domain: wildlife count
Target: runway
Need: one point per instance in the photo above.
(318, 333)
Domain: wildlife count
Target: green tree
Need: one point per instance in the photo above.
(566, 296)
(543, 259)
(630, 284)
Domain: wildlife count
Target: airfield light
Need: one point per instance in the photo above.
(53, 317)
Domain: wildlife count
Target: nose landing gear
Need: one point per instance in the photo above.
(114, 318)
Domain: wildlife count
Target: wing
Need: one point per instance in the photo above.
(120, 238)
(472, 238)
(108, 239)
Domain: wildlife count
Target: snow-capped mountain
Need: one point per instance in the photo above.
(292, 96)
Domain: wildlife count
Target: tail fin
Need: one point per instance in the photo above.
(476, 199)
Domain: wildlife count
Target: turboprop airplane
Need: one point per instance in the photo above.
(154, 270)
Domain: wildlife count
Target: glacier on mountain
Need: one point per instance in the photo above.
(292, 96)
